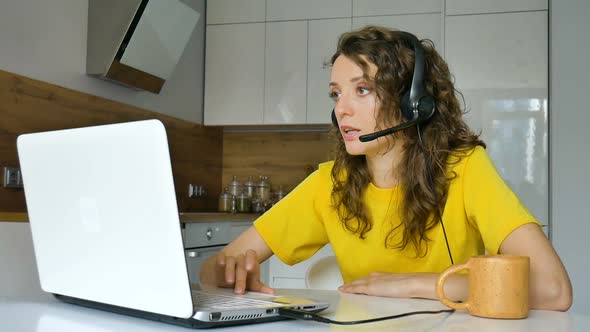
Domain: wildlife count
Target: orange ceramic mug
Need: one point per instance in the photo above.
(498, 286)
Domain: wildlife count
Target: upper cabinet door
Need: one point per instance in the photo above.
(235, 11)
(498, 51)
(500, 62)
(456, 7)
(394, 7)
(424, 26)
(323, 40)
(234, 86)
(284, 10)
(286, 72)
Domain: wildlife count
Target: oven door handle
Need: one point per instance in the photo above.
(194, 254)
(198, 252)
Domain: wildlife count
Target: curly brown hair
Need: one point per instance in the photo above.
(424, 178)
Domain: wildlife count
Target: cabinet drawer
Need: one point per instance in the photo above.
(212, 233)
(206, 234)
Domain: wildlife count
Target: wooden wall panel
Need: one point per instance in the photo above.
(28, 105)
(286, 157)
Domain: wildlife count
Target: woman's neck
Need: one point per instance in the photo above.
(385, 168)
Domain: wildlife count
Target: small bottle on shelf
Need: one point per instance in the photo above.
(225, 201)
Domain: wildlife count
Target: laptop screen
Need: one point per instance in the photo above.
(104, 217)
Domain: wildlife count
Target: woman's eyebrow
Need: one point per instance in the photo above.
(358, 78)
(352, 80)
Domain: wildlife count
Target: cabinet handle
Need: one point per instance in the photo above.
(193, 254)
(209, 234)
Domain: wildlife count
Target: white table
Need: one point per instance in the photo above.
(51, 315)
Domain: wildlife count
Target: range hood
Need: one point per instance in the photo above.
(137, 43)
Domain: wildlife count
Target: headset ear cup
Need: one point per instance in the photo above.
(426, 107)
(334, 120)
(406, 108)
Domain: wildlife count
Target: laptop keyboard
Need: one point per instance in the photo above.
(206, 300)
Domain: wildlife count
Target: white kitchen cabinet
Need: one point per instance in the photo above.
(285, 73)
(500, 62)
(257, 75)
(286, 10)
(323, 40)
(389, 7)
(235, 11)
(234, 83)
(282, 275)
(424, 26)
(460, 7)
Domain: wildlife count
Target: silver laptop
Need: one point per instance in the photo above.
(106, 229)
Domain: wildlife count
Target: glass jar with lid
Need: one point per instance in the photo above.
(243, 203)
(235, 187)
(257, 206)
(263, 189)
(225, 201)
(249, 187)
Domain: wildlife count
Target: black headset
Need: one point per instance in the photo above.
(416, 106)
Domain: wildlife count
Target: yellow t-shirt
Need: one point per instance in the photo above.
(480, 212)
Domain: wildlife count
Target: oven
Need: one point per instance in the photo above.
(195, 259)
(205, 239)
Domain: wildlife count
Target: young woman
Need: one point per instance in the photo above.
(400, 208)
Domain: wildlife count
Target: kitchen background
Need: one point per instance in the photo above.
(516, 62)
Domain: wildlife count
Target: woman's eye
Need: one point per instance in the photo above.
(363, 90)
(334, 95)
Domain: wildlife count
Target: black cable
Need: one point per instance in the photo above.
(306, 315)
(433, 188)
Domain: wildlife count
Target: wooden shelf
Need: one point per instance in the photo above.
(14, 217)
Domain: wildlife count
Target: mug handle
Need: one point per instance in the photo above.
(440, 291)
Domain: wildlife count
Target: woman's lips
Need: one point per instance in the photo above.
(349, 133)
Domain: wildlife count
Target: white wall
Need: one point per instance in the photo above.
(18, 271)
(569, 134)
(46, 40)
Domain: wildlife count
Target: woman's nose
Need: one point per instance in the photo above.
(342, 106)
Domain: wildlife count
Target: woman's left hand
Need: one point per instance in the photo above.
(404, 285)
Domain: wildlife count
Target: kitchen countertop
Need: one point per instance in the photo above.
(50, 315)
(185, 217)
